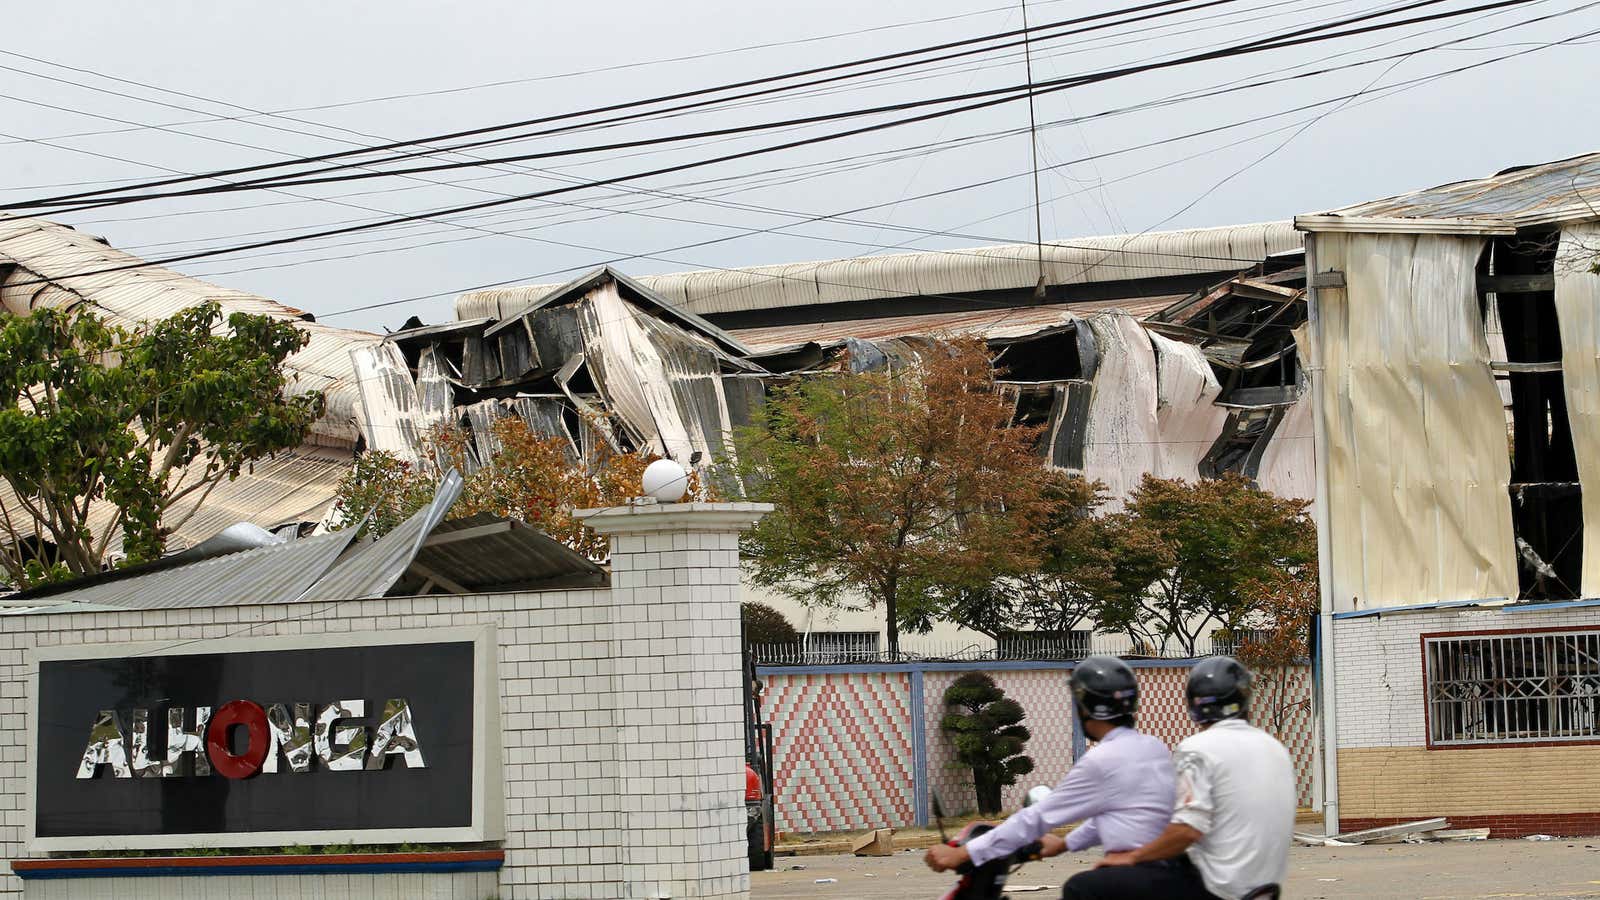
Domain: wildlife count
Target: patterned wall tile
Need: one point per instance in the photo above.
(843, 741)
(1047, 703)
(841, 750)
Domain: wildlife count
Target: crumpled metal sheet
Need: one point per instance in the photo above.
(1418, 503)
(1122, 433)
(661, 381)
(1578, 310)
(1188, 420)
(389, 404)
(1289, 463)
(435, 396)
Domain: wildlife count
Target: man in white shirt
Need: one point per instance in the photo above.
(1121, 789)
(1234, 818)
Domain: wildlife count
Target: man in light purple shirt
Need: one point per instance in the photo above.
(1121, 790)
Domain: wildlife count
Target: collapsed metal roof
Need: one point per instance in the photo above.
(40, 266)
(425, 554)
(991, 324)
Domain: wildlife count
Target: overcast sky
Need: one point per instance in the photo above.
(234, 60)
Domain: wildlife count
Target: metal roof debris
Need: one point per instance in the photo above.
(422, 555)
(1567, 190)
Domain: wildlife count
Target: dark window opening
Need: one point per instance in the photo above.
(1546, 499)
(1243, 440)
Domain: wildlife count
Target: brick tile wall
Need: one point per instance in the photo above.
(620, 711)
(1386, 771)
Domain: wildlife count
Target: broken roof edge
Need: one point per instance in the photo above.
(593, 278)
(1333, 222)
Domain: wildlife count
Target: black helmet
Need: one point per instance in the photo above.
(1219, 688)
(1104, 688)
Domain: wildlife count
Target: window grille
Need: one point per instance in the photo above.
(1513, 688)
(1072, 644)
(841, 645)
(1226, 642)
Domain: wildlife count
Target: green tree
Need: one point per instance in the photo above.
(765, 625)
(379, 492)
(984, 727)
(141, 419)
(1188, 555)
(892, 488)
(1075, 570)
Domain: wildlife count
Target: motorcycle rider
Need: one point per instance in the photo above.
(1120, 790)
(1231, 829)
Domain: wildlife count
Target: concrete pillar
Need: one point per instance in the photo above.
(679, 710)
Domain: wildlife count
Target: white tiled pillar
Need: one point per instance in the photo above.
(679, 710)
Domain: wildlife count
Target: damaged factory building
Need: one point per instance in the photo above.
(1172, 353)
(1456, 335)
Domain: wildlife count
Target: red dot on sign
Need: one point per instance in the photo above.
(254, 720)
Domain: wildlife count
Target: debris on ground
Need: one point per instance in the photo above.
(826, 881)
(1422, 831)
(1539, 837)
(1461, 834)
(877, 842)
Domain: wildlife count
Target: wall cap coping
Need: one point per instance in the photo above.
(650, 517)
(348, 863)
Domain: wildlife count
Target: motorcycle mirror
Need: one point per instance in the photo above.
(1036, 795)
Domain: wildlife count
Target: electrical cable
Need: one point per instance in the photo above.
(988, 97)
(435, 139)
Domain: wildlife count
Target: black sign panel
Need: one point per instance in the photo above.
(434, 680)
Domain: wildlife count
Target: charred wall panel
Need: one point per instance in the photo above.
(1547, 501)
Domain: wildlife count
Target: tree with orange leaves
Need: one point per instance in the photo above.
(893, 488)
(534, 478)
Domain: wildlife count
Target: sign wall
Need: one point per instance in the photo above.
(369, 738)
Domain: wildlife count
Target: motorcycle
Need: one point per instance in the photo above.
(988, 881)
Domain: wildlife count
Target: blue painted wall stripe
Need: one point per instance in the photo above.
(485, 865)
(919, 751)
(949, 666)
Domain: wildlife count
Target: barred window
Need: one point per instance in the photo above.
(1226, 642)
(1513, 688)
(841, 645)
(1072, 644)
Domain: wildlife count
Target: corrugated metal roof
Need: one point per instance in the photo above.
(486, 552)
(481, 552)
(280, 573)
(581, 285)
(293, 486)
(991, 324)
(940, 272)
(369, 570)
(44, 249)
(1566, 190)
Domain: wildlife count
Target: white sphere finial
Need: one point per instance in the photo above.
(666, 481)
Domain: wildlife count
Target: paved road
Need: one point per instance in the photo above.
(1482, 869)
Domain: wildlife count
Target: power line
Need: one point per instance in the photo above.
(765, 80)
(1396, 88)
(986, 98)
(1307, 35)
